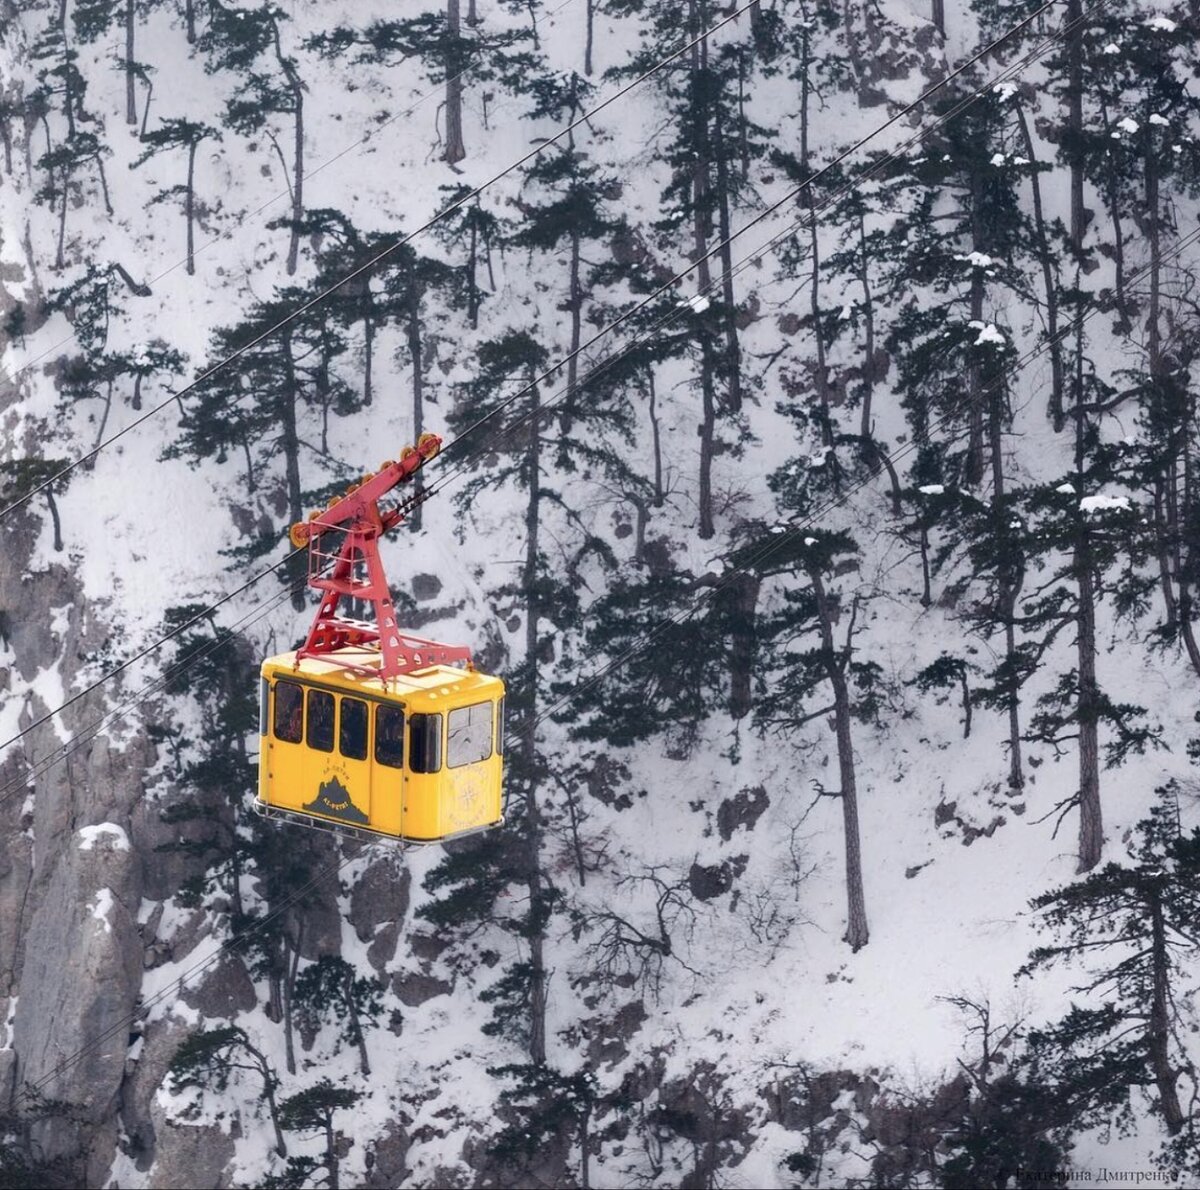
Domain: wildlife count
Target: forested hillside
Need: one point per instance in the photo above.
(823, 478)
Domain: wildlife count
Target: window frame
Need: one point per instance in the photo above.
(419, 720)
(341, 727)
(275, 733)
(395, 709)
(311, 693)
(491, 733)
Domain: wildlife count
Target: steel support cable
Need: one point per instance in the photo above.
(368, 265)
(799, 524)
(85, 735)
(806, 219)
(308, 176)
(444, 481)
(420, 497)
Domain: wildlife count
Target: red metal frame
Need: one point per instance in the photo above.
(351, 643)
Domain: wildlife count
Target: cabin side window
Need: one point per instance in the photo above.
(352, 729)
(320, 721)
(264, 706)
(389, 736)
(425, 743)
(289, 712)
(470, 738)
(500, 726)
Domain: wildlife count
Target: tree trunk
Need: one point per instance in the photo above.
(68, 85)
(291, 956)
(533, 826)
(1048, 280)
(587, 49)
(58, 541)
(857, 933)
(130, 90)
(413, 329)
(575, 307)
(585, 1172)
(973, 465)
(268, 1079)
(455, 151)
(866, 430)
(1075, 120)
(707, 430)
(1160, 1020)
(821, 371)
(189, 209)
(939, 16)
(1009, 580)
(744, 598)
(296, 88)
(355, 1022)
(368, 344)
(62, 218)
(331, 1153)
(733, 357)
(297, 184)
(472, 265)
(1091, 823)
(189, 18)
(656, 439)
(291, 453)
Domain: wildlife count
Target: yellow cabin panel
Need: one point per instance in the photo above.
(338, 746)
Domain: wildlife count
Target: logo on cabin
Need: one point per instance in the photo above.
(333, 801)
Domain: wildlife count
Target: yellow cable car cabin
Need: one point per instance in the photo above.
(419, 761)
(366, 726)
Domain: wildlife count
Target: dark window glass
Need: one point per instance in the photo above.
(264, 705)
(470, 739)
(500, 727)
(425, 743)
(289, 712)
(352, 729)
(389, 736)
(320, 721)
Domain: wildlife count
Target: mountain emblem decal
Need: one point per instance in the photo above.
(333, 801)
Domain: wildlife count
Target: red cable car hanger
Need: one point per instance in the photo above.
(380, 649)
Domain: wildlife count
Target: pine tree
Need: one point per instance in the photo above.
(1089, 554)
(209, 1057)
(247, 42)
(20, 476)
(449, 52)
(213, 787)
(826, 673)
(179, 134)
(314, 1111)
(1134, 925)
(331, 987)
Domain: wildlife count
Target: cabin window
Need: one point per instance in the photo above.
(425, 743)
(389, 736)
(320, 721)
(500, 727)
(289, 712)
(352, 730)
(470, 739)
(264, 705)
